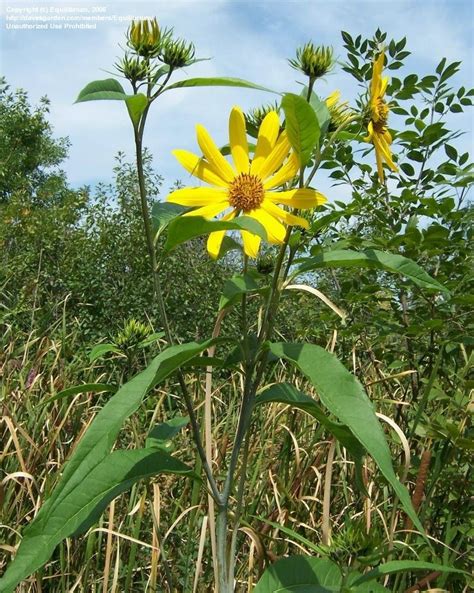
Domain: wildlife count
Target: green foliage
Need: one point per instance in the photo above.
(302, 126)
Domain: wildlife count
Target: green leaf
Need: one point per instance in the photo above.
(188, 227)
(342, 394)
(160, 436)
(235, 287)
(321, 110)
(285, 393)
(369, 587)
(102, 90)
(217, 81)
(403, 566)
(371, 258)
(151, 339)
(86, 388)
(100, 349)
(294, 535)
(300, 574)
(301, 125)
(95, 446)
(136, 105)
(162, 213)
(82, 506)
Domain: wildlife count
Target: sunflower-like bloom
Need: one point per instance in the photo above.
(247, 187)
(377, 126)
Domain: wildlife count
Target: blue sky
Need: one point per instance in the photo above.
(246, 39)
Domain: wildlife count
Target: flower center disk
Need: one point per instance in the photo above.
(380, 115)
(246, 192)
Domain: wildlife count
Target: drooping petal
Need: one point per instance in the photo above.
(383, 86)
(275, 159)
(213, 155)
(297, 198)
(285, 173)
(381, 144)
(276, 232)
(287, 217)
(214, 241)
(210, 210)
(267, 137)
(198, 167)
(376, 81)
(239, 147)
(370, 130)
(197, 196)
(251, 243)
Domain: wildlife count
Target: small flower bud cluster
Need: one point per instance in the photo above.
(177, 53)
(313, 60)
(148, 42)
(132, 334)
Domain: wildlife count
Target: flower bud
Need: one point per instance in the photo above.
(339, 111)
(133, 68)
(177, 53)
(145, 37)
(314, 61)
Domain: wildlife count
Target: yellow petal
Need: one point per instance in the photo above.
(333, 98)
(276, 232)
(275, 159)
(285, 173)
(209, 211)
(376, 81)
(251, 243)
(287, 217)
(198, 167)
(213, 155)
(267, 137)
(381, 144)
(239, 147)
(383, 86)
(214, 241)
(197, 196)
(370, 130)
(297, 198)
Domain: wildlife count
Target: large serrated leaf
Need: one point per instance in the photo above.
(184, 228)
(217, 81)
(96, 444)
(81, 507)
(100, 90)
(301, 125)
(284, 393)
(300, 574)
(342, 394)
(371, 258)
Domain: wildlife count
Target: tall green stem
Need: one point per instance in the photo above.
(158, 293)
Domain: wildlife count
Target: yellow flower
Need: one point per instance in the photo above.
(377, 127)
(246, 187)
